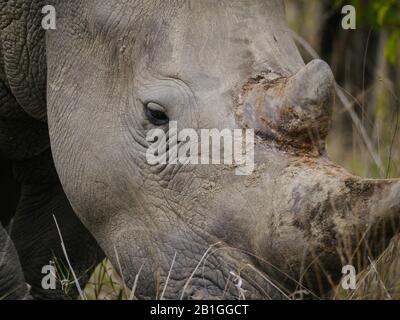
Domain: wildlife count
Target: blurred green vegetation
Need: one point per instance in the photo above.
(380, 14)
(366, 66)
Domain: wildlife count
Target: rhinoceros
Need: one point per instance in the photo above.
(78, 102)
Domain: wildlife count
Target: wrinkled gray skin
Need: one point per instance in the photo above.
(24, 141)
(209, 64)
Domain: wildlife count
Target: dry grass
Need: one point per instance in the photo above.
(380, 281)
(106, 284)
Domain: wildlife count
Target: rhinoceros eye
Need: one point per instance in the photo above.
(156, 114)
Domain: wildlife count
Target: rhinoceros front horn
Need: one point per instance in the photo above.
(324, 210)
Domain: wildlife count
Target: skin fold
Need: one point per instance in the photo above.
(292, 224)
(28, 172)
(13, 285)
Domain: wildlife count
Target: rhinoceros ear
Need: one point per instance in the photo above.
(12, 283)
(23, 55)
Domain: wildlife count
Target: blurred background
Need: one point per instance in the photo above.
(365, 136)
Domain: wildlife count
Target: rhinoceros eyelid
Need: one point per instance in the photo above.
(155, 106)
(155, 113)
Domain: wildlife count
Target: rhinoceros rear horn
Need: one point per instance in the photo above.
(310, 93)
(294, 111)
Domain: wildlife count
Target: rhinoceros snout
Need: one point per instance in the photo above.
(293, 110)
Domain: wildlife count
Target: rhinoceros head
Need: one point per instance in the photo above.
(118, 70)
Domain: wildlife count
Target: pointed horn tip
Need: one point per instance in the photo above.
(315, 82)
